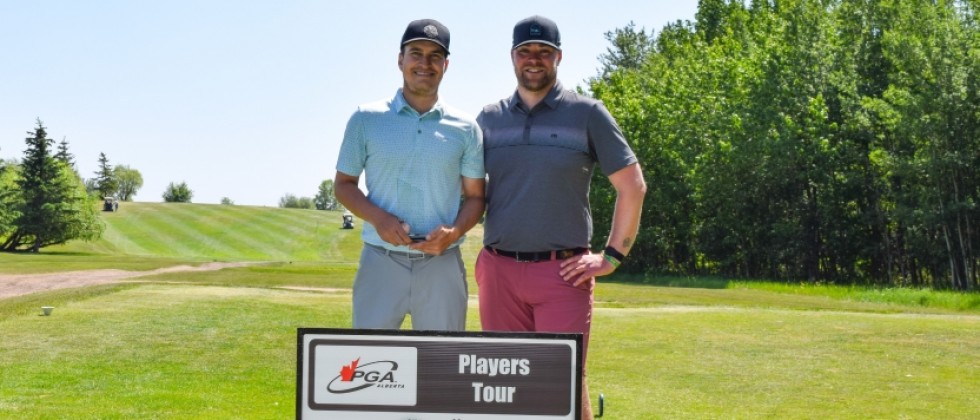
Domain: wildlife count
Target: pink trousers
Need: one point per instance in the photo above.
(526, 296)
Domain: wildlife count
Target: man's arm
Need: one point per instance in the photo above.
(630, 189)
(388, 226)
(474, 202)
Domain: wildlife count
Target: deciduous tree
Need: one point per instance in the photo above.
(290, 201)
(9, 198)
(178, 193)
(822, 140)
(325, 199)
(128, 180)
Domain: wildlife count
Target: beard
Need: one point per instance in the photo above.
(537, 82)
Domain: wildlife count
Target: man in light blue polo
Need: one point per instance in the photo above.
(419, 156)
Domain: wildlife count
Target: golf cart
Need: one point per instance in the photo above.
(110, 204)
(348, 220)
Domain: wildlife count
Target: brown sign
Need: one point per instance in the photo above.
(396, 374)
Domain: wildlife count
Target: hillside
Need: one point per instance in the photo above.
(187, 231)
(222, 232)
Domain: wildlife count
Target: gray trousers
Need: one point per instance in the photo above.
(390, 285)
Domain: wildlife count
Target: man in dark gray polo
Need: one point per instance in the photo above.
(541, 145)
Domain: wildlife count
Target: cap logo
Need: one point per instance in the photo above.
(430, 31)
(535, 30)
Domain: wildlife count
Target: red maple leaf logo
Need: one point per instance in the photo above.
(347, 372)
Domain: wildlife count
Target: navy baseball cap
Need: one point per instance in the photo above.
(537, 29)
(427, 30)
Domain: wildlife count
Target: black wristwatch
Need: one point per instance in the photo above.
(612, 252)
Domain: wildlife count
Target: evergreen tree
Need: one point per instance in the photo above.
(54, 207)
(63, 154)
(629, 49)
(38, 169)
(105, 180)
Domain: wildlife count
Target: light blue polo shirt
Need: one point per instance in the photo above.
(412, 163)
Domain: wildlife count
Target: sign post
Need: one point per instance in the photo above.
(396, 374)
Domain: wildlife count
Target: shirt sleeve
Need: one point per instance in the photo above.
(353, 150)
(612, 151)
(472, 164)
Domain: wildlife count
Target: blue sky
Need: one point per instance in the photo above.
(249, 99)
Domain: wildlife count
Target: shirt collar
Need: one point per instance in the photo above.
(552, 99)
(399, 105)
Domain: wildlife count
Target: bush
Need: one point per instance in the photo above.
(177, 193)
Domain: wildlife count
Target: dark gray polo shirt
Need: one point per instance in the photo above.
(539, 164)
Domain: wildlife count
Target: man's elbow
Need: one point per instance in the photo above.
(630, 182)
(641, 186)
(344, 192)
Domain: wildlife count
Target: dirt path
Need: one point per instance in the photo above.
(22, 284)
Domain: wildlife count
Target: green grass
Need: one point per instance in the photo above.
(718, 362)
(50, 261)
(224, 233)
(193, 351)
(161, 352)
(146, 236)
(896, 298)
(221, 344)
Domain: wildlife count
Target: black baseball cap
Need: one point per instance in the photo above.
(427, 30)
(537, 29)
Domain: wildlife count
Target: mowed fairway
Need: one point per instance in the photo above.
(222, 344)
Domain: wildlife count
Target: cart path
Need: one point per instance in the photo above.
(23, 284)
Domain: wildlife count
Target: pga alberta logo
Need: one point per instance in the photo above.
(355, 377)
(366, 375)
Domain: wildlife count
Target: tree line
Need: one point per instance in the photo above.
(804, 140)
(323, 200)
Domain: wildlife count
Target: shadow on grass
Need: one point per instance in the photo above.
(52, 253)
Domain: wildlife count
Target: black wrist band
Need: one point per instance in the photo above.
(612, 252)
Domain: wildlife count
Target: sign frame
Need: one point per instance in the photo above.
(548, 364)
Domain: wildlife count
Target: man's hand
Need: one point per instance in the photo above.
(437, 241)
(581, 269)
(392, 230)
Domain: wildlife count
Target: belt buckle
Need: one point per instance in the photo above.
(517, 257)
(564, 254)
(415, 257)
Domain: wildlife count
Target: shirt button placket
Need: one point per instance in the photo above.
(528, 120)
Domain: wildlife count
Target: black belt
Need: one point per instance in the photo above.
(559, 254)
